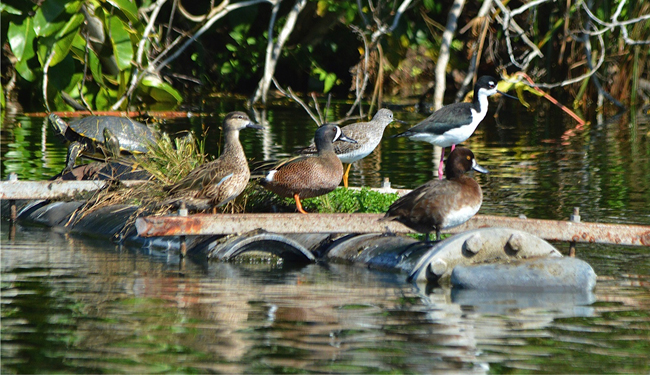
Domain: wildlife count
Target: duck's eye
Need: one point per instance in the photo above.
(468, 158)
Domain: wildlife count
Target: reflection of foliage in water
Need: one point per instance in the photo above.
(22, 151)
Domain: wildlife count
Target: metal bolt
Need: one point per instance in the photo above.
(386, 183)
(575, 218)
(182, 211)
(516, 242)
(474, 244)
(438, 267)
(13, 177)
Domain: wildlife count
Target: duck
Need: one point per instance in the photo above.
(441, 204)
(223, 179)
(309, 176)
(455, 123)
(367, 134)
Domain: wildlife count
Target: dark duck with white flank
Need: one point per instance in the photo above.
(223, 179)
(367, 134)
(309, 176)
(442, 204)
(454, 123)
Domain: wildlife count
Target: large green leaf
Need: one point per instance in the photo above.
(21, 39)
(20, 36)
(121, 41)
(127, 7)
(47, 20)
(159, 91)
(25, 71)
(65, 37)
(9, 9)
(78, 49)
(62, 77)
(95, 68)
(103, 99)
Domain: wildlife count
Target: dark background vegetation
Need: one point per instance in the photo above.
(320, 55)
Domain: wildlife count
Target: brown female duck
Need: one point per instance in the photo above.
(310, 176)
(223, 179)
(442, 204)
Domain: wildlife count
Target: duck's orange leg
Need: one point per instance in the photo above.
(296, 197)
(346, 175)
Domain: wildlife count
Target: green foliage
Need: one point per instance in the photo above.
(340, 200)
(77, 36)
(352, 200)
(328, 79)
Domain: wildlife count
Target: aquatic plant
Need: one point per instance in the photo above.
(340, 200)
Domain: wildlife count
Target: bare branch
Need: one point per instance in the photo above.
(361, 90)
(476, 55)
(290, 94)
(225, 10)
(273, 49)
(601, 59)
(263, 85)
(443, 55)
(46, 69)
(615, 23)
(320, 115)
(136, 76)
(382, 29)
(508, 22)
(363, 16)
(204, 17)
(526, 6)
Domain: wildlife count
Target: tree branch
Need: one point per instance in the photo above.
(290, 94)
(360, 91)
(273, 49)
(136, 76)
(443, 56)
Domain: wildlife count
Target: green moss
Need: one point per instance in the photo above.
(340, 200)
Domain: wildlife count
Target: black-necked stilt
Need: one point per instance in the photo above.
(309, 176)
(454, 123)
(442, 204)
(367, 134)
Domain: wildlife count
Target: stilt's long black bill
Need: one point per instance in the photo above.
(509, 96)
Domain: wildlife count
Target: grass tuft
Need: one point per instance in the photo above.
(169, 161)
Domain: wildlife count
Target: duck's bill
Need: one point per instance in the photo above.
(506, 95)
(478, 168)
(345, 138)
(254, 126)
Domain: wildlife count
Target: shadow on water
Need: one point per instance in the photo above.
(74, 304)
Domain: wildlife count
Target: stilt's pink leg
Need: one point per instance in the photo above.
(442, 161)
(453, 147)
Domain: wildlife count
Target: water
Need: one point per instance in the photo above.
(73, 304)
(80, 305)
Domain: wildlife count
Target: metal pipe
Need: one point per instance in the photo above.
(14, 190)
(202, 224)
